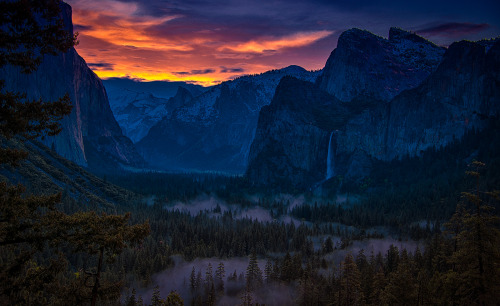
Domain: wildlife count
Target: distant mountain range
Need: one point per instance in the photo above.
(376, 99)
(213, 131)
(138, 106)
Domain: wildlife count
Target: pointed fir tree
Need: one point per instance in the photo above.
(351, 292)
(253, 273)
(173, 299)
(476, 244)
(29, 224)
(268, 271)
(220, 273)
(30, 29)
(401, 288)
(156, 298)
(192, 279)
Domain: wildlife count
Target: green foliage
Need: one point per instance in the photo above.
(474, 261)
(254, 274)
(350, 282)
(173, 299)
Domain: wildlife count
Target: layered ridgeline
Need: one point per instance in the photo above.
(91, 136)
(213, 131)
(138, 106)
(458, 93)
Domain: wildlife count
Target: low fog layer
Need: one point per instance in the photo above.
(177, 278)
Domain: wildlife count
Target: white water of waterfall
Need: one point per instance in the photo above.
(329, 161)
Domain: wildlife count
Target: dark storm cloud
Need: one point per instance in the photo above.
(81, 27)
(453, 29)
(231, 70)
(195, 72)
(101, 66)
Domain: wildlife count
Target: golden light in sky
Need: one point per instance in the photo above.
(117, 40)
(207, 42)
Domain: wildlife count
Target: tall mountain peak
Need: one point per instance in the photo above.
(296, 146)
(367, 65)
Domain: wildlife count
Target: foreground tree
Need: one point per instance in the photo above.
(475, 259)
(23, 220)
(31, 224)
(350, 282)
(104, 236)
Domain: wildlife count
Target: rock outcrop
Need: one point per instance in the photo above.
(366, 65)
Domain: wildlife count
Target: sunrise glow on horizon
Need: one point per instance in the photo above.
(206, 43)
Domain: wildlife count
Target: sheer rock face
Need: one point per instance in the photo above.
(462, 93)
(364, 64)
(291, 142)
(91, 136)
(213, 131)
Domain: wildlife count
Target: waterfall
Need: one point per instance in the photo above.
(329, 160)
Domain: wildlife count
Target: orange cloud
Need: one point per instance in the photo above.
(125, 30)
(120, 40)
(273, 44)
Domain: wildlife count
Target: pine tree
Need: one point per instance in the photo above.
(219, 278)
(328, 245)
(192, 279)
(367, 273)
(351, 293)
(199, 280)
(379, 283)
(30, 29)
(476, 251)
(132, 300)
(173, 299)
(268, 271)
(392, 258)
(246, 299)
(156, 298)
(253, 273)
(401, 288)
(104, 236)
(209, 277)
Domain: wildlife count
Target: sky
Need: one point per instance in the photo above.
(207, 42)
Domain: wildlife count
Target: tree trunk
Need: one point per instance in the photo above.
(97, 277)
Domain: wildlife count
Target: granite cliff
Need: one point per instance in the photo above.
(91, 136)
(460, 94)
(366, 65)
